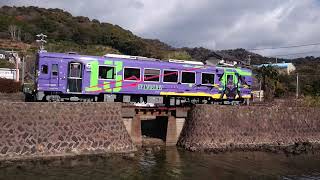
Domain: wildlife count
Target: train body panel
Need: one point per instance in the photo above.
(70, 75)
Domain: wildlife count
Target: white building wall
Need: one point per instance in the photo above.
(8, 73)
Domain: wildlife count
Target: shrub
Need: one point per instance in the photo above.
(311, 101)
(9, 86)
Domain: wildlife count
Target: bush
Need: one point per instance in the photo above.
(9, 86)
(6, 64)
(311, 101)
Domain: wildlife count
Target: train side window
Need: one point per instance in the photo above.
(106, 72)
(44, 69)
(55, 70)
(188, 77)
(75, 70)
(131, 74)
(207, 78)
(170, 76)
(151, 75)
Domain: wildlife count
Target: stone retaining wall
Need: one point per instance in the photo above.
(59, 129)
(224, 128)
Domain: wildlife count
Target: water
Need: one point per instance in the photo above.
(171, 164)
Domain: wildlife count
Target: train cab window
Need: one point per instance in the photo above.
(44, 69)
(151, 75)
(243, 80)
(55, 70)
(170, 76)
(188, 77)
(207, 78)
(131, 74)
(229, 79)
(106, 72)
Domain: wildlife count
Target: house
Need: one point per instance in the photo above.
(284, 68)
(225, 60)
(2, 55)
(10, 56)
(7, 73)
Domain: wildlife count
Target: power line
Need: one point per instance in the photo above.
(294, 74)
(284, 47)
(309, 75)
(297, 53)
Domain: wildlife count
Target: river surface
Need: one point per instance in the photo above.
(171, 163)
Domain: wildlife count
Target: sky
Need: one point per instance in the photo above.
(213, 24)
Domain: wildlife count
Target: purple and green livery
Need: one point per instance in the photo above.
(72, 77)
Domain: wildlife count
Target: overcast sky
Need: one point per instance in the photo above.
(214, 24)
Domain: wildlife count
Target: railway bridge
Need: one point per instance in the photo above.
(154, 122)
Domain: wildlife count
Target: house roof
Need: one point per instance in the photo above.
(280, 65)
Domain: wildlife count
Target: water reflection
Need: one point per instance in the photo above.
(171, 164)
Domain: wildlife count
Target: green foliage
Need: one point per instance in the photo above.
(269, 78)
(80, 33)
(180, 55)
(308, 69)
(311, 101)
(6, 64)
(65, 46)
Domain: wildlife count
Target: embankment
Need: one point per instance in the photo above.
(30, 130)
(12, 97)
(228, 128)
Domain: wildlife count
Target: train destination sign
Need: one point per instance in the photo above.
(151, 87)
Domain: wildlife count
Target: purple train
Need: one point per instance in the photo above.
(120, 78)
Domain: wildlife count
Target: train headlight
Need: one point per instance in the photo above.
(88, 67)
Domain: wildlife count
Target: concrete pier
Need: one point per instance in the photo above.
(169, 130)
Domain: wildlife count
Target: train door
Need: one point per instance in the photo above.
(75, 78)
(230, 85)
(43, 75)
(54, 75)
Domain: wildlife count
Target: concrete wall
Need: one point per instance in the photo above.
(50, 129)
(133, 123)
(133, 118)
(179, 124)
(222, 128)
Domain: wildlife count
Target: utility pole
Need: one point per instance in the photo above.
(42, 40)
(276, 60)
(249, 59)
(260, 92)
(22, 74)
(297, 87)
(17, 66)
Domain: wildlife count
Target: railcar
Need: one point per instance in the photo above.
(140, 80)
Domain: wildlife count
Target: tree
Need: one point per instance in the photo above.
(269, 78)
(180, 55)
(15, 32)
(12, 30)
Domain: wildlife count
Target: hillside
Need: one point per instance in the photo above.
(69, 33)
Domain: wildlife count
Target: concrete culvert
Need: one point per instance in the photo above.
(154, 131)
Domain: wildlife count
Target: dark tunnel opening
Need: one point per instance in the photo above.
(156, 128)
